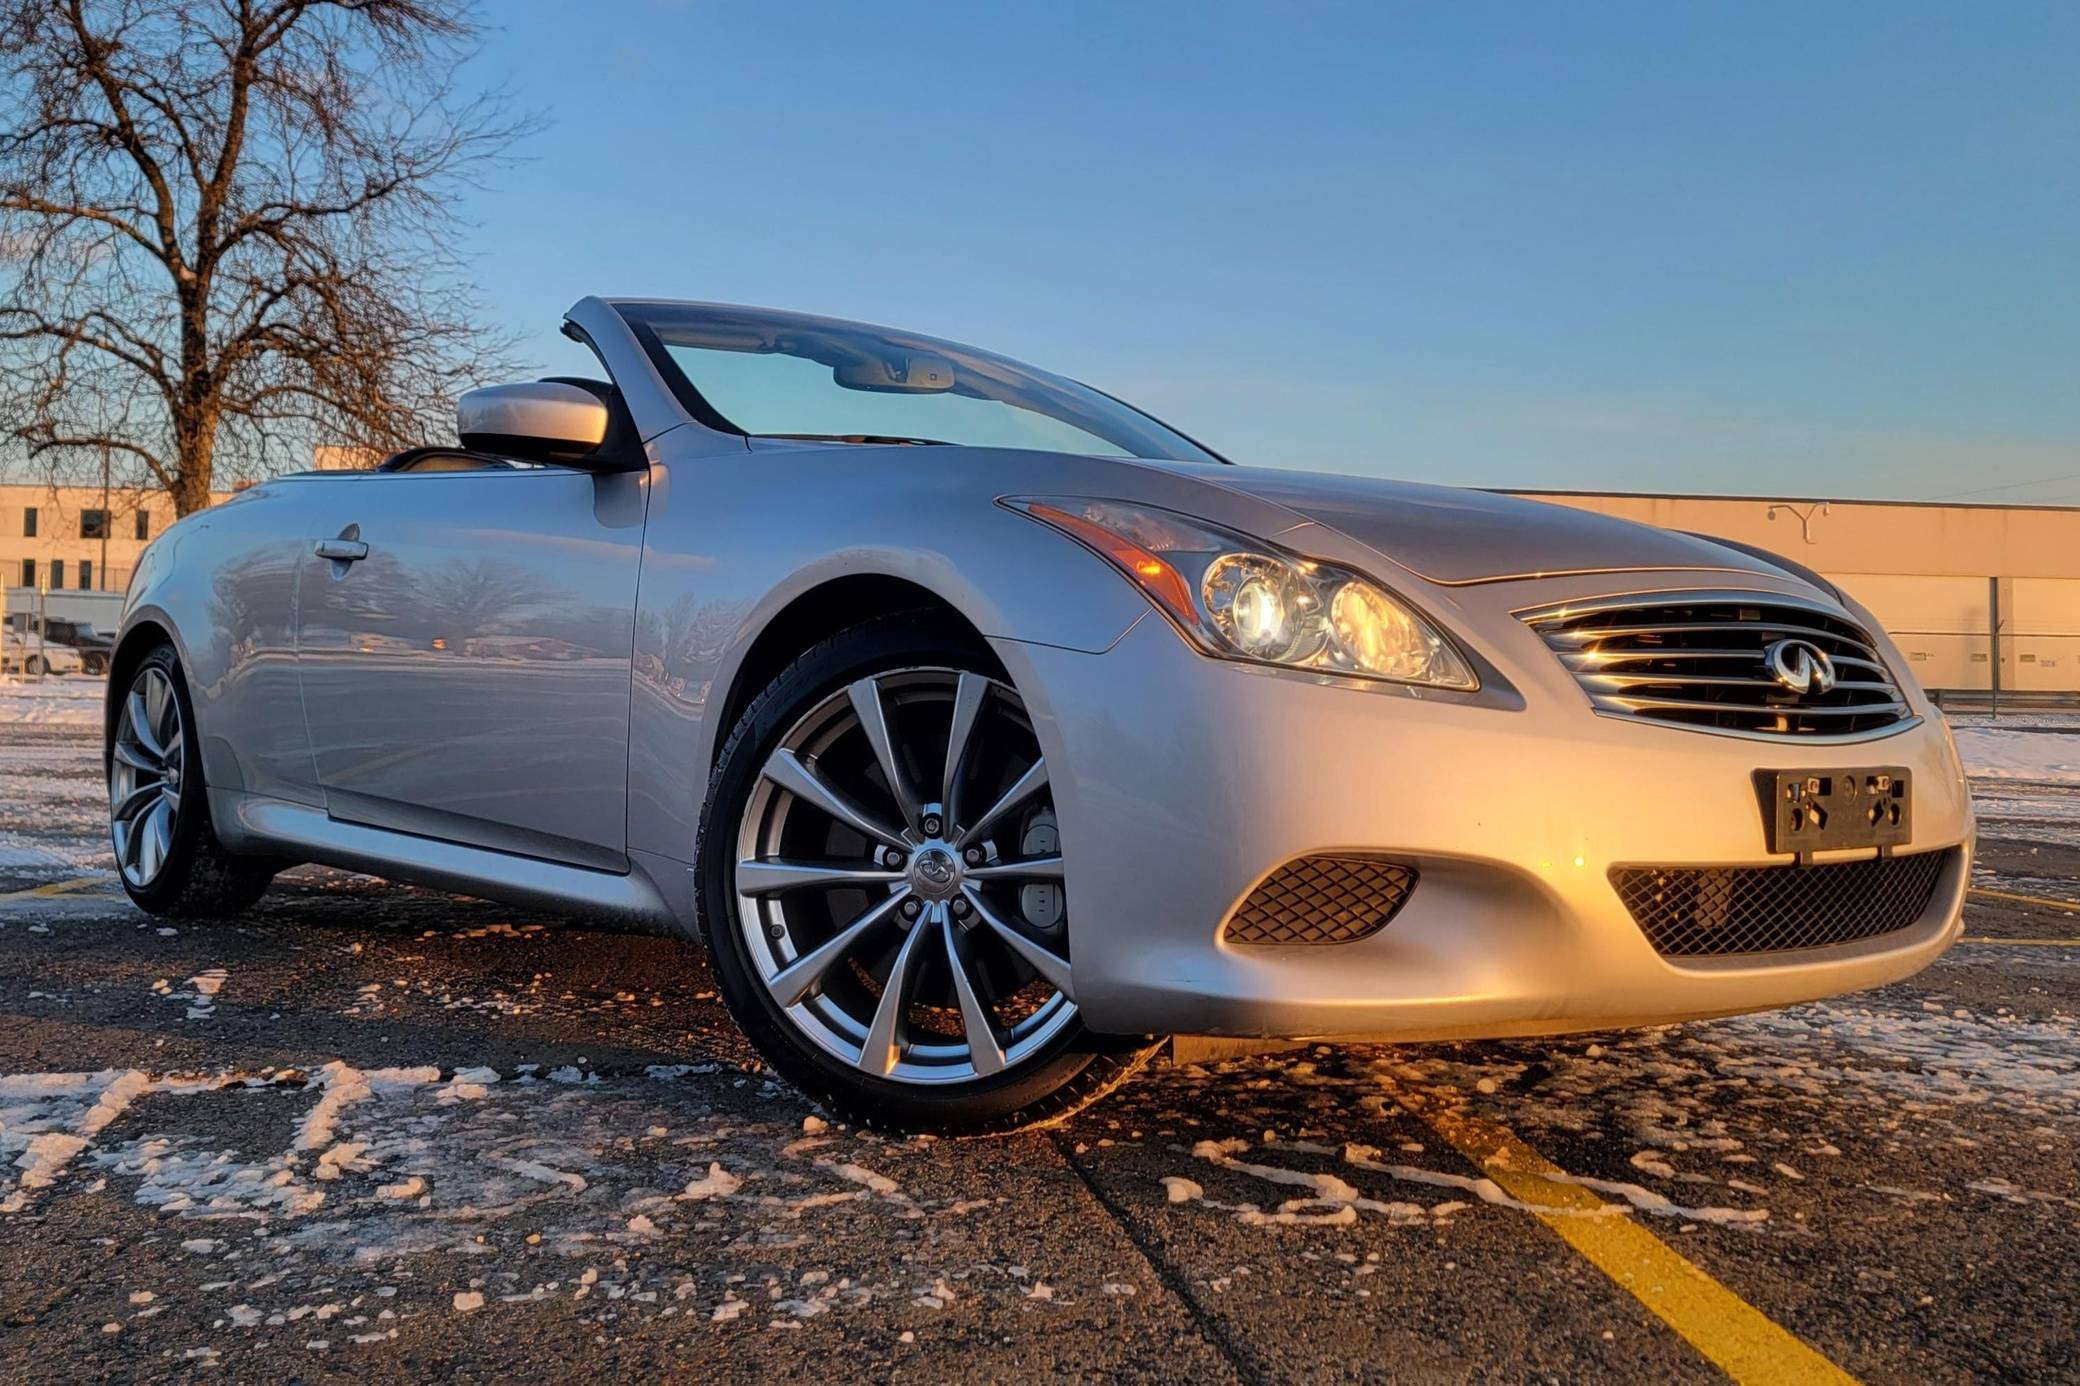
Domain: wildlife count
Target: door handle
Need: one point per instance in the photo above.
(342, 550)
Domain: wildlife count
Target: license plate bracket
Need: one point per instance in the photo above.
(1808, 811)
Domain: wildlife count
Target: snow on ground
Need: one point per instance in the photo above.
(2045, 755)
(66, 700)
(51, 815)
(369, 1166)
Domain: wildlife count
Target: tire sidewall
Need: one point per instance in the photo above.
(977, 1105)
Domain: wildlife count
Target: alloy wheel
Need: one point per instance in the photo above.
(899, 879)
(144, 779)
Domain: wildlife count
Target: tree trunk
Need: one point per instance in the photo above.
(196, 445)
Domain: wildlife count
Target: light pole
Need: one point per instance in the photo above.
(108, 520)
(1804, 517)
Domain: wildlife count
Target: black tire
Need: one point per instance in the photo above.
(1074, 1070)
(37, 664)
(199, 877)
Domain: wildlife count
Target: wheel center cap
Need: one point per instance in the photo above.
(935, 873)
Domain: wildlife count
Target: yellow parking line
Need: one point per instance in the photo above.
(1741, 1339)
(2024, 942)
(56, 888)
(2027, 899)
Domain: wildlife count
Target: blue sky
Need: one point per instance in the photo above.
(1793, 249)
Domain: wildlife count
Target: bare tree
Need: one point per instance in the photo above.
(225, 231)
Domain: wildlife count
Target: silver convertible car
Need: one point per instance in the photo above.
(986, 730)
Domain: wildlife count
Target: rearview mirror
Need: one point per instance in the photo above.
(907, 375)
(542, 421)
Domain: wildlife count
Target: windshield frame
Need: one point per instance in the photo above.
(645, 316)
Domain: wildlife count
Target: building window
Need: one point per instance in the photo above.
(93, 524)
(144, 525)
(86, 575)
(57, 575)
(29, 570)
(29, 523)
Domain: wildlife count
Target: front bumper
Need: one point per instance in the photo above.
(1182, 782)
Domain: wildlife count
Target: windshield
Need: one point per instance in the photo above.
(788, 375)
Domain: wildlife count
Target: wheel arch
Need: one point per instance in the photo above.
(818, 613)
(141, 635)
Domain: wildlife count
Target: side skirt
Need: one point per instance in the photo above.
(655, 897)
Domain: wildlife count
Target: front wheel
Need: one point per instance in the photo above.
(883, 887)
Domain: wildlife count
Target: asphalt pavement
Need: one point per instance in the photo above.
(378, 1132)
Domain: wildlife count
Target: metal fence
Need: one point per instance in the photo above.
(1984, 640)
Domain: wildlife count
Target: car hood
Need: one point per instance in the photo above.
(1452, 536)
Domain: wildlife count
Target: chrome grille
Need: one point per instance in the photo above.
(1323, 900)
(1723, 912)
(1701, 660)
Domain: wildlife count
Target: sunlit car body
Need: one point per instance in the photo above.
(1311, 756)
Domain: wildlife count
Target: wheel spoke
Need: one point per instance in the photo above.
(137, 800)
(792, 774)
(1029, 784)
(983, 1050)
(772, 877)
(166, 722)
(967, 707)
(800, 977)
(873, 720)
(136, 759)
(884, 1043)
(158, 837)
(126, 845)
(1036, 869)
(141, 727)
(1042, 961)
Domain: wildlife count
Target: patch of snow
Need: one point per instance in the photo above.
(1998, 752)
(68, 700)
(716, 1183)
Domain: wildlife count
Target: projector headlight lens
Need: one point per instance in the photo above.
(1240, 598)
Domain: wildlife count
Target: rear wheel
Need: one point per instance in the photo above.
(883, 889)
(166, 849)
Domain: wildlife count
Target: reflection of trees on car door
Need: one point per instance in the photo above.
(467, 678)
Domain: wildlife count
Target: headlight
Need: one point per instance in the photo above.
(1241, 598)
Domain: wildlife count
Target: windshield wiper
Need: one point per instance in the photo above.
(861, 438)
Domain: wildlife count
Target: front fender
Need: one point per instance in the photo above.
(734, 541)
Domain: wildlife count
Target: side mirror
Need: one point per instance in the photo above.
(543, 421)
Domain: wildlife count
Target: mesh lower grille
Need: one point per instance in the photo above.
(1689, 913)
(1323, 900)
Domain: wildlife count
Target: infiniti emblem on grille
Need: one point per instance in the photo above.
(1800, 666)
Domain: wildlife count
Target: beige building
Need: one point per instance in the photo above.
(327, 457)
(1938, 576)
(76, 538)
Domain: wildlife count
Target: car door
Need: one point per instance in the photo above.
(464, 643)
